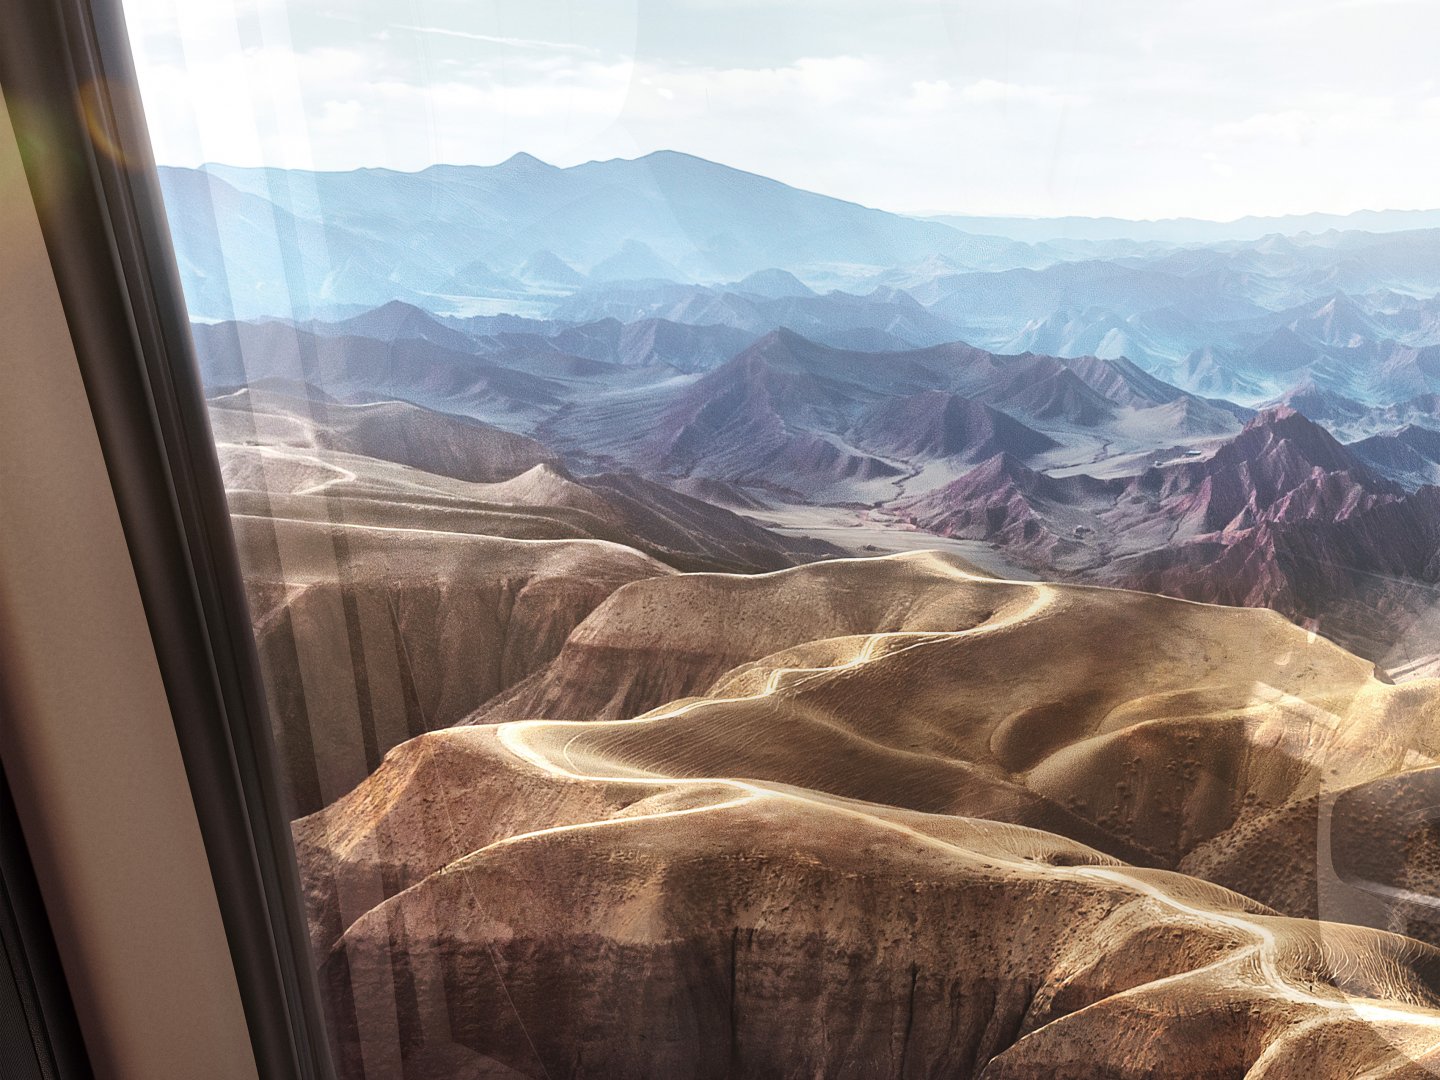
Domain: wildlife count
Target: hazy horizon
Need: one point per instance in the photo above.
(1041, 108)
(920, 214)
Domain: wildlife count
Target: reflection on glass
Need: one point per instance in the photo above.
(677, 588)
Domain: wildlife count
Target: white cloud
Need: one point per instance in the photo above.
(995, 91)
(340, 117)
(1292, 127)
(1331, 120)
(931, 95)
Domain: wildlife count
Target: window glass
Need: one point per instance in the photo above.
(848, 540)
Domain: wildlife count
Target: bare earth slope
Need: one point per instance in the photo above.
(369, 634)
(394, 463)
(437, 590)
(1281, 516)
(788, 873)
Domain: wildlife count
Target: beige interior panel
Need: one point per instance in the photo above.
(85, 729)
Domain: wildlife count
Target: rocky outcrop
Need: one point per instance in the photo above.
(1277, 454)
(370, 635)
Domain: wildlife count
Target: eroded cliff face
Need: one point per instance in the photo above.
(777, 940)
(913, 848)
(369, 635)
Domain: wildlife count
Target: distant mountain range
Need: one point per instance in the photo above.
(1188, 230)
(1248, 310)
(1280, 516)
(371, 235)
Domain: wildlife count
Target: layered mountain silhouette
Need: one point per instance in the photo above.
(676, 237)
(647, 342)
(772, 284)
(1321, 405)
(796, 416)
(664, 215)
(546, 269)
(876, 320)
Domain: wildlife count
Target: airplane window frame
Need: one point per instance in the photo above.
(71, 90)
(33, 992)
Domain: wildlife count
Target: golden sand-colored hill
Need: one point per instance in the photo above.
(894, 818)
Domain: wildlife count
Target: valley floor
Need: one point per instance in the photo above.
(863, 533)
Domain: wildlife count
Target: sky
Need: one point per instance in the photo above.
(1132, 108)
